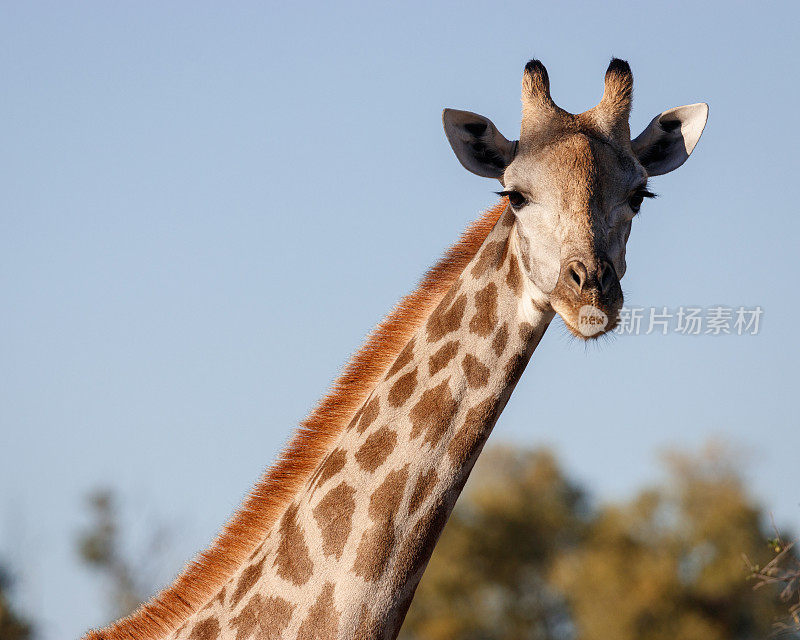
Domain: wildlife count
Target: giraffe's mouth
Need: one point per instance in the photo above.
(588, 321)
(588, 299)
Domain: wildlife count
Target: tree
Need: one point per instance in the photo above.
(12, 625)
(783, 572)
(524, 558)
(669, 564)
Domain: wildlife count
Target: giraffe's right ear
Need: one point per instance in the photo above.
(477, 143)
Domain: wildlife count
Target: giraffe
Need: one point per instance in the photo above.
(333, 540)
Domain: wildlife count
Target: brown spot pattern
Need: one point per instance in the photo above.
(356, 418)
(332, 465)
(402, 389)
(258, 548)
(442, 357)
(367, 628)
(500, 340)
(383, 503)
(322, 621)
(334, 515)
(376, 448)
(476, 372)
(377, 542)
(473, 433)
(292, 558)
(514, 276)
(448, 298)
(221, 595)
(207, 629)
(543, 308)
(415, 552)
(446, 318)
(433, 413)
(403, 359)
(248, 578)
(265, 617)
(485, 318)
(515, 367)
(206, 607)
(369, 414)
(422, 488)
(490, 256)
(525, 331)
(373, 552)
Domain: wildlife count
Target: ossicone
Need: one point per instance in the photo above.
(536, 84)
(614, 109)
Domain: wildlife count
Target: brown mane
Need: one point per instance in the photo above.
(210, 570)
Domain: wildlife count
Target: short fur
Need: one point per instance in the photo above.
(270, 497)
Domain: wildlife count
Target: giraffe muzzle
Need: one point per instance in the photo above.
(588, 296)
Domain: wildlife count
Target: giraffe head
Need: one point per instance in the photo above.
(575, 183)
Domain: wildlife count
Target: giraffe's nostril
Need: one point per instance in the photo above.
(576, 275)
(607, 277)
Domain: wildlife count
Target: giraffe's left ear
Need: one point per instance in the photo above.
(477, 143)
(669, 139)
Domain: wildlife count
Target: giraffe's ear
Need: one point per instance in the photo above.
(477, 143)
(669, 139)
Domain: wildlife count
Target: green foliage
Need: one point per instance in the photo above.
(523, 558)
(12, 625)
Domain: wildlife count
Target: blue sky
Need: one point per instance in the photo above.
(205, 208)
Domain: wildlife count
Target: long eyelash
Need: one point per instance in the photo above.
(644, 191)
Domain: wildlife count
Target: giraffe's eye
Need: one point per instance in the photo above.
(516, 199)
(637, 197)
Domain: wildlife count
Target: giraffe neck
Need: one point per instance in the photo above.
(345, 558)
